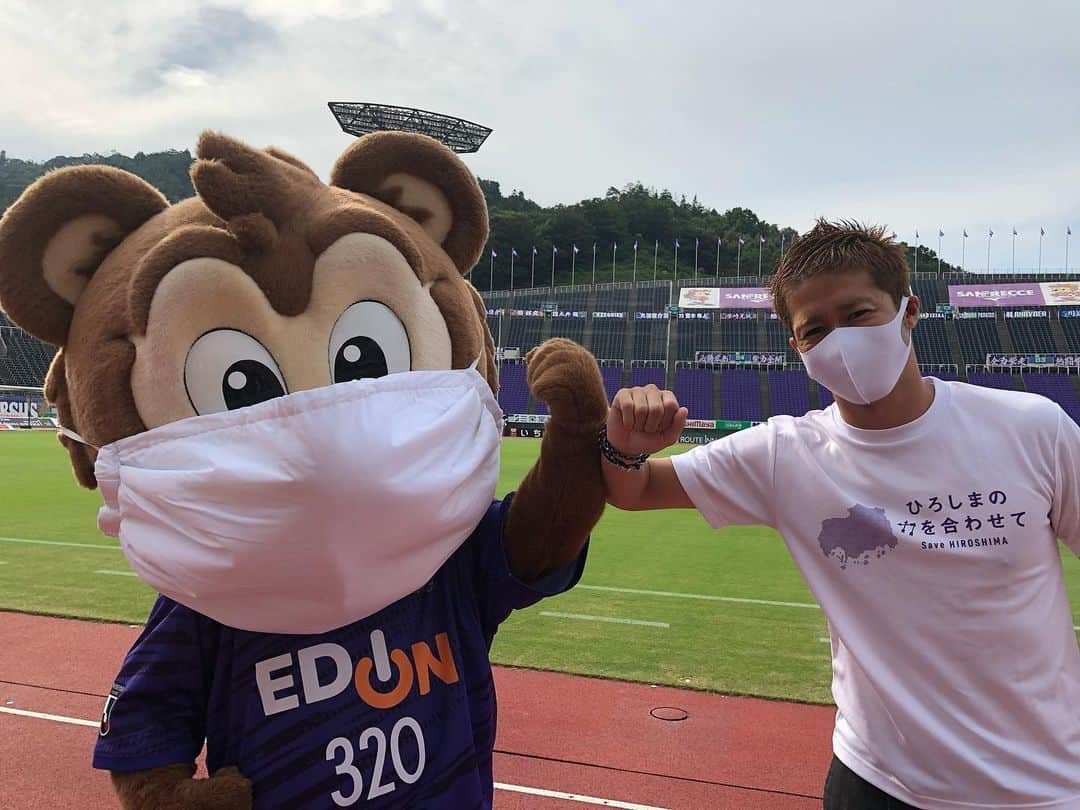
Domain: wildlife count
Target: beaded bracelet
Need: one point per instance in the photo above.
(620, 459)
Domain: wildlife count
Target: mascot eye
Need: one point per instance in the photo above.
(226, 370)
(368, 340)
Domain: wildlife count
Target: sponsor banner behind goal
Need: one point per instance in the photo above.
(725, 298)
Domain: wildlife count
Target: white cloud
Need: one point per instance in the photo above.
(914, 114)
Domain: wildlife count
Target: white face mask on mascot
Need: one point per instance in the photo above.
(310, 511)
(861, 364)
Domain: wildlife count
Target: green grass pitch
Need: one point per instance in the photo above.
(729, 646)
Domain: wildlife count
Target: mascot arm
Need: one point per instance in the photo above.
(562, 496)
(172, 788)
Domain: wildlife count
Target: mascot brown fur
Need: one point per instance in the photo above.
(95, 261)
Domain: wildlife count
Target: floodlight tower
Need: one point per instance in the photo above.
(360, 118)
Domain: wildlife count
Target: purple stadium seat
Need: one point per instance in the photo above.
(643, 376)
(513, 390)
(694, 390)
(740, 392)
(612, 380)
(1058, 387)
(789, 392)
(993, 379)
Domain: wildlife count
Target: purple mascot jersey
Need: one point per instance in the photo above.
(395, 710)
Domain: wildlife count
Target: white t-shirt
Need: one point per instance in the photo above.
(931, 549)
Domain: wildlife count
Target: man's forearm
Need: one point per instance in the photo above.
(624, 488)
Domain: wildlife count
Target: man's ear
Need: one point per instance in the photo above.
(55, 236)
(424, 180)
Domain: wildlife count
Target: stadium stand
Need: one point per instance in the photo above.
(740, 394)
(1058, 387)
(629, 328)
(789, 392)
(694, 389)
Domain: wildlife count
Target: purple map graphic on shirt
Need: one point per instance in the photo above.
(854, 539)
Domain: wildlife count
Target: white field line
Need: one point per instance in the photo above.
(701, 596)
(101, 546)
(532, 791)
(610, 619)
(107, 572)
(56, 718)
(574, 797)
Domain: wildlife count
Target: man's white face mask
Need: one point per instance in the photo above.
(861, 364)
(310, 511)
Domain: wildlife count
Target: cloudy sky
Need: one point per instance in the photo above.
(915, 114)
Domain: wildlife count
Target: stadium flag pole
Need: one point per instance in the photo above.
(695, 257)
(940, 233)
(1014, 250)
(676, 260)
(491, 282)
(656, 253)
(760, 250)
(1042, 233)
(532, 282)
(635, 261)
(1068, 233)
(989, 236)
(738, 259)
(554, 250)
(718, 241)
(963, 252)
(782, 236)
(573, 263)
(916, 270)
(513, 255)
(614, 247)
(594, 264)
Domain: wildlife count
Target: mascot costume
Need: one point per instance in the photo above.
(285, 392)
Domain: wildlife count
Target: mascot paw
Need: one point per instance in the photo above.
(566, 377)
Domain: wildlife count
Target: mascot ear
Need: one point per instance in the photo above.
(55, 236)
(424, 180)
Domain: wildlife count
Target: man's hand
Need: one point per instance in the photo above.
(644, 420)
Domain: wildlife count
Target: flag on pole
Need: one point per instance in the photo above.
(513, 252)
(965, 233)
(1014, 232)
(763, 240)
(719, 241)
(575, 249)
(991, 232)
(493, 253)
(940, 232)
(554, 249)
(695, 241)
(742, 241)
(1068, 230)
(1042, 232)
(916, 233)
(635, 247)
(676, 243)
(534, 250)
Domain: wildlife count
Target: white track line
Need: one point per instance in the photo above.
(116, 573)
(701, 596)
(548, 794)
(612, 619)
(101, 546)
(56, 718)
(574, 797)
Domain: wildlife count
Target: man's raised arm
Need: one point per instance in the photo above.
(640, 422)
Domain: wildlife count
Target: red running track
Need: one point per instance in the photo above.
(558, 733)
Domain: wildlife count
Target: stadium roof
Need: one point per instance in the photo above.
(360, 118)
